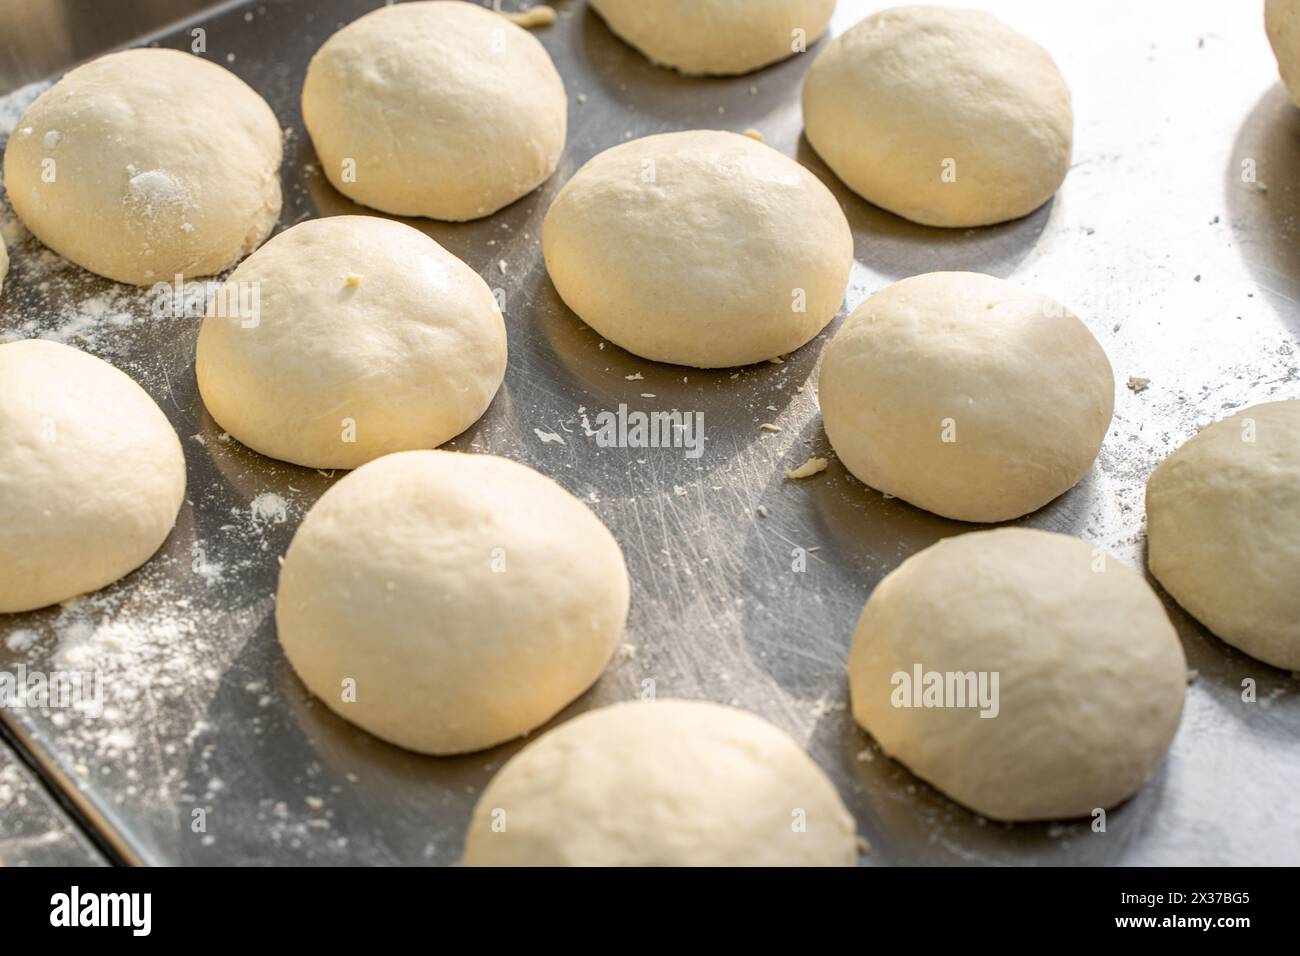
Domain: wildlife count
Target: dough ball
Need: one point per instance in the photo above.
(1223, 516)
(662, 783)
(91, 474)
(1090, 676)
(146, 164)
(966, 395)
(464, 598)
(1282, 22)
(699, 248)
(944, 116)
(444, 110)
(719, 37)
(361, 336)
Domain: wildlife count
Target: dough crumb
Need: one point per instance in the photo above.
(1136, 384)
(634, 378)
(627, 652)
(548, 437)
(539, 16)
(582, 97)
(352, 278)
(777, 360)
(809, 468)
(762, 511)
(769, 427)
(1192, 675)
(754, 135)
(866, 756)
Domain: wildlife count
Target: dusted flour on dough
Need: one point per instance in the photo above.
(145, 164)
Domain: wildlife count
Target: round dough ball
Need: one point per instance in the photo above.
(158, 164)
(966, 395)
(367, 338)
(944, 116)
(699, 248)
(718, 37)
(443, 109)
(1282, 22)
(465, 599)
(1223, 515)
(1090, 676)
(91, 474)
(661, 783)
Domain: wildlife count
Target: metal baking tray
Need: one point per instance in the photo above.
(210, 751)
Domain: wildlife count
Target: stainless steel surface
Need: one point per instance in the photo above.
(40, 37)
(34, 829)
(1189, 276)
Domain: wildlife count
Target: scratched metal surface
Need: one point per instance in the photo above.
(1189, 276)
(34, 829)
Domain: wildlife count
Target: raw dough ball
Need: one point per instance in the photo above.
(966, 395)
(944, 116)
(1282, 21)
(161, 162)
(91, 474)
(1090, 674)
(465, 598)
(1223, 515)
(443, 110)
(666, 783)
(720, 37)
(368, 338)
(699, 248)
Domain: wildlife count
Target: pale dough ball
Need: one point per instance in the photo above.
(1282, 21)
(699, 248)
(719, 37)
(368, 338)
(1090, 673)
(1223, 516)
(966, 395)
(146, 164)
(441, 109)
(944, 116)
(91, 474)
(662, 783)
(464, 599)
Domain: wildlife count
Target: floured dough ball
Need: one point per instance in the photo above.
(449, 602)
(91, 474)
(966, 395)
(662, 783)
(1223, 515)
(1282, 22)
(944, 116)
(1026, 674)
(699, 248)
(347, 338)
(441, 109)
(147, 164)
(718, 37)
